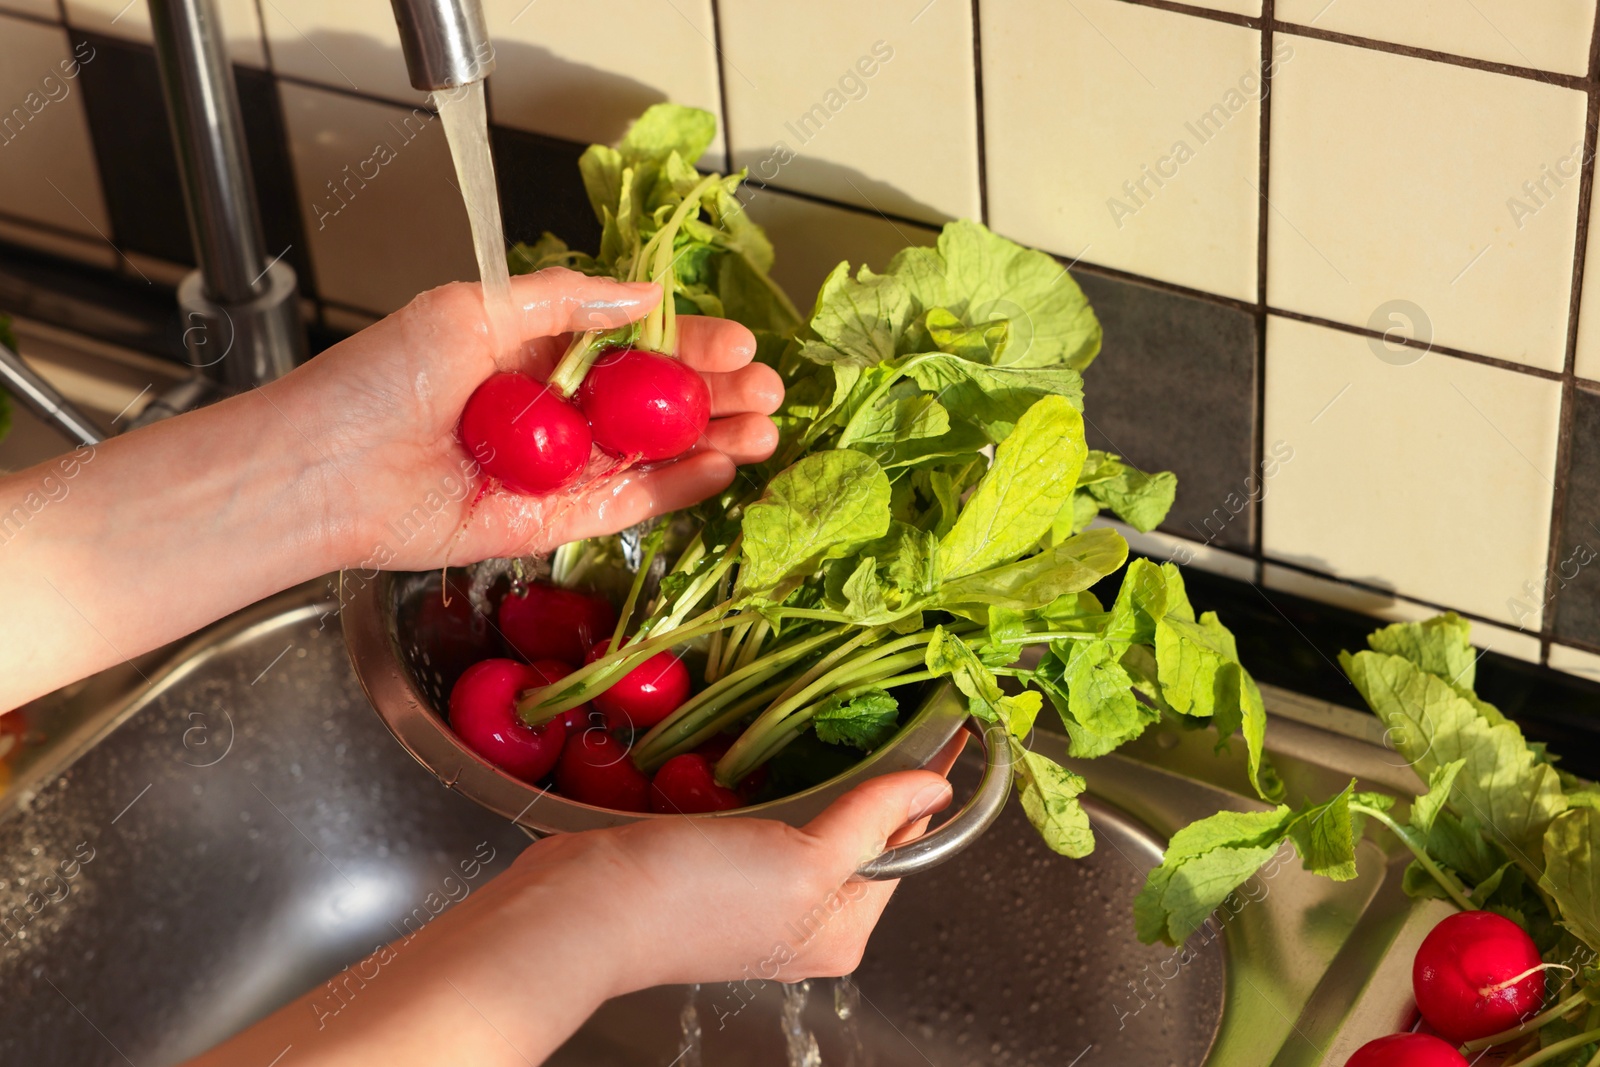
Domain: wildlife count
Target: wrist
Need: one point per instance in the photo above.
(321, 524)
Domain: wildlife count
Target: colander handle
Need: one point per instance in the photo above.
(963, 828)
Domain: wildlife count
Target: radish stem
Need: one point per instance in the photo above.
(1446, 883)
(1557, 1050)
(1528, 1027)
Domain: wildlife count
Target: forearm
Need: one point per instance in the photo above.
(118, 549)
(500, 981)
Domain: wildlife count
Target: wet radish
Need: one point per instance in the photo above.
(1477, 973)
(1407, 1050)
(525, 434)
(483, 714)
(643, 405)
(645, 695)
(548, 622)
(685, 785)
(595, 769)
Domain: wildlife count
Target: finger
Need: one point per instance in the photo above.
(714, 344)
(941, 763)
(756, 387)
(857, 826)
(741, 438)
(637, 496)
(556, 300)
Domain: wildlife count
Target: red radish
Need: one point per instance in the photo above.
(645, 695)
(1407, 1050)
(1477, 973)
(644, 405)
(548, 622)
(685, 785)
(483, 713)
(523, 433)
(595, 769)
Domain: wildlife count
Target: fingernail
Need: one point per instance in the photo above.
(932, 798)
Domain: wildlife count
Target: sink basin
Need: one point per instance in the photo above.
(232, 825)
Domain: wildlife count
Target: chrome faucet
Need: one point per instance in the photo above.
(445, 42)
(240, 309)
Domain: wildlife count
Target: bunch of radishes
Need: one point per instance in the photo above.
(619, 389)
(585, 752)
(1479, 982)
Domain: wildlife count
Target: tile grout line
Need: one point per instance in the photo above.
(1265, 22)
(722, 86)
(1569, 377)
(982, 131)
(1263, 220)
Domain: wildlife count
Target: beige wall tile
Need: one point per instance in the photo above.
(47, 166)
(1548, 35)
(1575, 661)
(1127, 135)
(902, 140)
(1397, 178)
(811, 239)
(1233, 7)
(348, 44)
(392, 224)
(44, 9)
(1519, 644)
(1430, 478)
(130, 19)
(554, 74)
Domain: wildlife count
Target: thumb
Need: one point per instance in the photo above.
(857, 825)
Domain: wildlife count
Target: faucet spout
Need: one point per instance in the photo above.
(446, 42)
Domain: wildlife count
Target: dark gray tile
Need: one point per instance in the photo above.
(1577, 605)
(1174, 388)
(540, 189)
(139, 169)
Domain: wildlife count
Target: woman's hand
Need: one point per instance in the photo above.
(507, 976)
(381, 409)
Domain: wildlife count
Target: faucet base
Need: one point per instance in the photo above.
(248, 343)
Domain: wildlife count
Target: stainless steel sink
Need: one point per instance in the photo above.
(225, 824)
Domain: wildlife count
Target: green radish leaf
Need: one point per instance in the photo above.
(1138, 499)
(1034, 472)
(907, 418)
(1572, 872)
(992, 398)
(1190, 656)
(962, 443)
(823, 507)
(1432, 724)
(864, 721)
(947, 654)
(1204, 863)
(980, 277)
(1325, 837)
(983, 343)
(1049, 794)
(1425, 809)
(1070, 567)
(863, 595)
(858, 320)
(1094, 696)
(665, 129)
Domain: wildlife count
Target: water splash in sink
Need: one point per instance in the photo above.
(689, 1030)
(846, 1005)
(798, 1039)
(466, 127)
